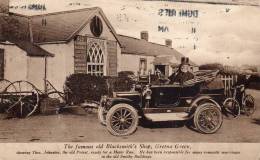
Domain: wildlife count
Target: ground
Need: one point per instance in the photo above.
(86, 128)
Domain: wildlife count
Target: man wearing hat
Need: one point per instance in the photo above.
(183, 74)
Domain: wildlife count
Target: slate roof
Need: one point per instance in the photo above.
(32, 49)
(63, 26)
(165, 60)
(48, 28)
(59, 26)
(137, 46)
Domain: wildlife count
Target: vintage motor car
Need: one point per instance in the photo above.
(191, 101)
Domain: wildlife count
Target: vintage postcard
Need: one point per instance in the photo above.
(129, 79)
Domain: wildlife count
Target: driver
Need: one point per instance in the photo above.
(183, 74)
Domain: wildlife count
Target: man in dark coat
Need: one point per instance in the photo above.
(183, 74)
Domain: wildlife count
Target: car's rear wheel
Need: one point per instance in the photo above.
(208, 118)
(102, 115)
(122, 120)
(231, 108)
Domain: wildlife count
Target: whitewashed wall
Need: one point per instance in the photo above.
(61, 65)
(19, 66)
(130, 62)
(36, 71)
(15, 63)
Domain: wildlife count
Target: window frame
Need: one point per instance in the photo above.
(93, 64)
(145, 65)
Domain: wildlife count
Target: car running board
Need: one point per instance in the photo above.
(159, 117)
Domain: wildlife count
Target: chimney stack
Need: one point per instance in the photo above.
(4, 6)
(168, 43)
(144, 35)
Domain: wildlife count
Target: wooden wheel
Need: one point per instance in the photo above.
(24, 100)
(5, 87)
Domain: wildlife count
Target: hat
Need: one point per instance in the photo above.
(184, 60)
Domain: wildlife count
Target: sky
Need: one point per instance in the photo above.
(227, 34)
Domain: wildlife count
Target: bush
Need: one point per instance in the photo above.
(87, 87)
(83, 86)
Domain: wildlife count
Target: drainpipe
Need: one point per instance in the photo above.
(45, 74)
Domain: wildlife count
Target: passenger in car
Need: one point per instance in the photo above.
(183, 74)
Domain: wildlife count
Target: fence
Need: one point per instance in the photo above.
(229, 81)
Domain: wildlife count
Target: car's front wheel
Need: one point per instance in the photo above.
(122, 120)
(208, 118)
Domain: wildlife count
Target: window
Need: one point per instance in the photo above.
(96, 26)
(44, 22)
(95, 60)
(143, 66)
(193, 30)
(1, 63)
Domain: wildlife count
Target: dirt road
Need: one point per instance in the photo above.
(86, 128)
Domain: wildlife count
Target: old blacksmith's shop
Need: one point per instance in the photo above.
(56, 45)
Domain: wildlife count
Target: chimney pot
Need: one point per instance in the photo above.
(144, 35)
(168, 43)
(4, 6)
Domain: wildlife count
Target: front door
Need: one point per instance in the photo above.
(1, 63)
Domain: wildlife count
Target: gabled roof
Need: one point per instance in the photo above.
(63, 26)
(137, 46)
(48, 28)
(58, 26)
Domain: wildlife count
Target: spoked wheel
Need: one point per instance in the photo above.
(24, 101)
(3, 84)
(208, 118)
(122, 120)
(248, 105)
(231, 108)
(6, 87)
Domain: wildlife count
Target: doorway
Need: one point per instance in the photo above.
(160, 68)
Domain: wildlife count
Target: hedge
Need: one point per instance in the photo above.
(81, 87)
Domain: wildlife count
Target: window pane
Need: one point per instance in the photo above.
(89, 68)
(102, 68)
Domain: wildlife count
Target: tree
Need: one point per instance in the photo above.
(11, 28)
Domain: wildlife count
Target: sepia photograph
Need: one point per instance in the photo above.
(159, 75)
